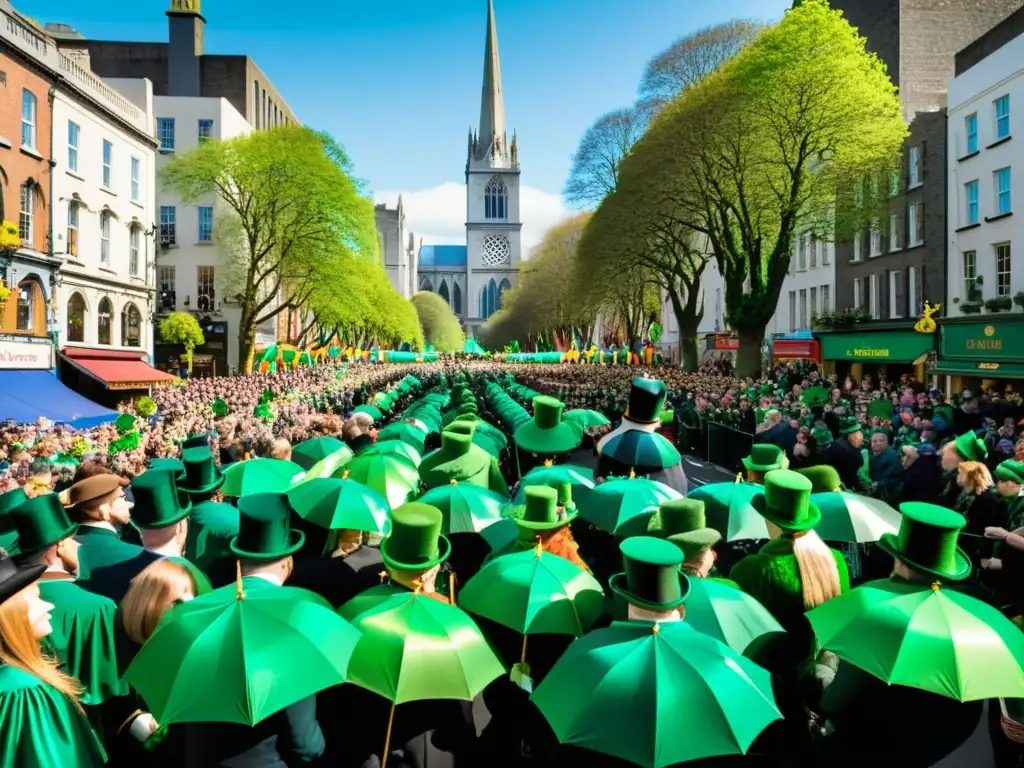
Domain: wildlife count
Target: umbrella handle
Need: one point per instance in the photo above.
(522, 655)
(387, 738)
(451, 587)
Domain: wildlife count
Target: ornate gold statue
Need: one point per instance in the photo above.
(926, 324)
(191, 6)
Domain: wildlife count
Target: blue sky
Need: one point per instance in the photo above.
(399, 83)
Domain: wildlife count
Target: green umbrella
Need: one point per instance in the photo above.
(331, 465)
(854, 518)
(393, 477)
(309, 452)
(553, 475)
(372, 411)
(466, 508)
(621, 691)
(641, 449)
(729, 509)
(727, 614)
(337, 504)
(405, 432)
(931, 638)
(260, 476)
(624, 505)
(587, 418)
(258, 652)
(415, 647)
(393, 448)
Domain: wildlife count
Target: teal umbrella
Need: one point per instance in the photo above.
(393, 448)
(553, 475)
(337, 504)
(727, 614)
(309, 452)
(586, 418)
(623, 506)
(466, 508)
(640, 449)
(405, 432)
(730, 510)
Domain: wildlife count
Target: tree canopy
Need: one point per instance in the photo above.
(594, 173)
(182, 328)
(441, 328)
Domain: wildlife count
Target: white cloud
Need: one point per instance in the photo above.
(438, 214)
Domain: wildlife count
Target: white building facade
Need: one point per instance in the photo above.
(986, 109)
(809, 288)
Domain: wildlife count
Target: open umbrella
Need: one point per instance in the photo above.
(331, 464)
(259, 653)
(586, 418)
(931, 638)
(260, 476)
(338, 503)
(729, 510)
(854, 518)
(727, 614)
(393, 477)
(405, 432)
(394, 448)
(372, 411)
(466, 508)
(307, 453)
(640, 449)
(553, 475)
(623, 506)
(620, 691)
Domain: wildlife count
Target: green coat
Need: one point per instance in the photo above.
(773, 577)
(84, 638)
(39, 726)
(107, 565)
(211, 526)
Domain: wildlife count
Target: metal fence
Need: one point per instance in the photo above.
(715, 443)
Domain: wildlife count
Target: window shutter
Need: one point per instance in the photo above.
(901, 291)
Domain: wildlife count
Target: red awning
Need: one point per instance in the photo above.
(797, 349)
(116, 369)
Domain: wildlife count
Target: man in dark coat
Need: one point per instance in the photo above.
(844, 453)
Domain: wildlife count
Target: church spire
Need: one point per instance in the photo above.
(491, 139)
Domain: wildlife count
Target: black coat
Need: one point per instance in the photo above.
(846, 460)
(338, 579)
(922, 480)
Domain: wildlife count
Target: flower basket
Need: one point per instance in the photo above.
(999, 304)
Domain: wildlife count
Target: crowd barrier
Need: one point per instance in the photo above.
(715, 443)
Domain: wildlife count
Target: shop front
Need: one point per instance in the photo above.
(110, 376)
(794, 347)
(880, 350)
(981, 351)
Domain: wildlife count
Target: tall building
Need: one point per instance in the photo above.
(397, 247)
(473, 277)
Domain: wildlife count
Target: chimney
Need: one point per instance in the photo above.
(186, 47)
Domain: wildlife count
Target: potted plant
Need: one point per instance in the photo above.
(970, 307)
(999, 304)
(1018, 299)
(5, 294)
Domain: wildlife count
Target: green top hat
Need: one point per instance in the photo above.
(849, 425)
(415, 542)
(927, 541)
(264, 528)
(971, 447)
(651, 577)
(201, 440)
(158, 501)
(683, 522)
(564, 491)
(202, 475)
(646, 400)
(786, 501)
(823, 477)
(540, 510)
(763, 457)
(1010, 470)
(11, 499)
(41, 522)
(169, 464)
(822, 437)
(456, 459)
(461, 427)
(815, 397)
(546, 433)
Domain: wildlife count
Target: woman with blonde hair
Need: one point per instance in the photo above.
(41, 720)
(979, 503)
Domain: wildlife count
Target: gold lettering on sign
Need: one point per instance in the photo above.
(988, 366)
(996, 344)
(867, 353)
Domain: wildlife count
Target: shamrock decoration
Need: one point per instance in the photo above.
(79, 447)
(815, 397)
(219, 408)
(124, 444)
(267, 397)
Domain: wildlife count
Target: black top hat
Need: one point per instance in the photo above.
(14, 578)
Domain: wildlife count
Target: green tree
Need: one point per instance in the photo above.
(766, 147)
(594, 173)
(288, 206)
(441, 328)
(182, 328)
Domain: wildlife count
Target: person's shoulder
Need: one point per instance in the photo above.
(75, 595)
(13, 679)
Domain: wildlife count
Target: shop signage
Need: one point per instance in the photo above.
(725, 341)
(892, 346)
(24, 355)
(793, 349)
(988, 341)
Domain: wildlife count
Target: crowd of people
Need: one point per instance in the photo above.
(369, 488)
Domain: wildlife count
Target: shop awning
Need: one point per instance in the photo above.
(116, 369)
(796, 349)
(980, 370)
(877, 346)
(27, 395)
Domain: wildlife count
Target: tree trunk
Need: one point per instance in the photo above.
(748, 358)
(246, 346)
(689, 355)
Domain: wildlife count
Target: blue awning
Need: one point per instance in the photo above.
(27, 395)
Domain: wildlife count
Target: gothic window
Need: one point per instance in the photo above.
(131, 326)
(505, 285)
(492, 298)
(443, 292)
(495, 199)
(103, 321)
(482, 301)
(76, 318)
(496, 251)
(426, 285)
(457, 299)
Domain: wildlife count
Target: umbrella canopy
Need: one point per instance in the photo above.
(415, 647)
(260, 652)
(623, 506)
(851, 517)
(924, 637)
(393, 477)
(307, 453)
(394, 448)
(586, 418)
(535, 592)
(729, 510)
(338, 504)
(372, 411)
(405, 432)
(466, 508)
(641, 449)
(621, 691)
(260, 476)
(727, 614)
(553, 475)
(330, 464)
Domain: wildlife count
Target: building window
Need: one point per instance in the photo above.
(495, 199)
(28, 119)
(858, 247)
(205, 224)
(73, 134)
(168, 236)
(255, 104)
(826, 300)
(205, 289)
(26, 217)
(457, 299)
(1003, 201)
(165, 133)
(76, 318)
(165, 285)
(970, 272)
(812, 250)
(858, 293)
(205, 130)
(1003, 269)
(916, 218)
(1002, 117)
(131, 326)
(136, 179)
(826, 254)
(134, 237)
(108, 159)
(971, 196)
(895, 294)
(873, 297)
(803, 308)
(895, 220)
(971, 129)
(913, 309)
(105, 238)
(792, 310)
(443, 292)
(103, 322)
(24, 320)
(814, 301)
(894, 183)
(504, 286)
(73, 228)
(914, 170)
(876, 240)
(801, 253)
